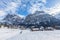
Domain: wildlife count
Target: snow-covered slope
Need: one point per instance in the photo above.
(8, 33)
(37, 35)
(57, 16)
(12, 19)
(40, 16)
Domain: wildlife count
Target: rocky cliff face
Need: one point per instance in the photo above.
(41, 18)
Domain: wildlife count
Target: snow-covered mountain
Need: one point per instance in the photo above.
(13, 19)
(41, 18)
(57, 16)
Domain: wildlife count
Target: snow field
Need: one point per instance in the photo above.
(37, 35)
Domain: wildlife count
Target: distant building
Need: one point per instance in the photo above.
(57, 27)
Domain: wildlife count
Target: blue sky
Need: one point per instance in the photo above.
(24, 10)
(51, 3)
(24, 7)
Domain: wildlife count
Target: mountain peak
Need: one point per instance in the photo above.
(39, 12)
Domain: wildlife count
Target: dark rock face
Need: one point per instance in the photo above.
(57, 16)
(41, 18)
(38, 19)
(12, 19)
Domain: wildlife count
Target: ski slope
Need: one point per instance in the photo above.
(37, 35)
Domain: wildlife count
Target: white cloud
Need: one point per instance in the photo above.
(44, 1)
(10, 8)
(37, 6)
(2, 14)
(54, 10)
(33, 8)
